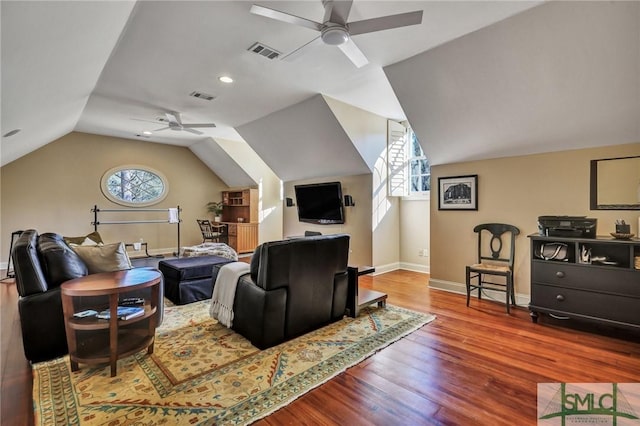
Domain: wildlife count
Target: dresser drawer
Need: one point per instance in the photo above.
(624, 282)
(585, 303)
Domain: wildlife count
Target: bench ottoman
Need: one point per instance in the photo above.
(190, 279)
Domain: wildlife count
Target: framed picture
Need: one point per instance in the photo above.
(458, 193)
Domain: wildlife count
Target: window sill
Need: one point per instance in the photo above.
(424, 196)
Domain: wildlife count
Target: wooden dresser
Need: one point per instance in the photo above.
(240, 214)
(599, 281)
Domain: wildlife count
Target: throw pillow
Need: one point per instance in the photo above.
(104, 258)
(59, 262)
(94, 237)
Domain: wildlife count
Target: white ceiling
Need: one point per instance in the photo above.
(106, 67)
(562, 76)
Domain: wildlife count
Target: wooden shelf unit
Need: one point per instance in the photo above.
(240, 214)
(96, 341)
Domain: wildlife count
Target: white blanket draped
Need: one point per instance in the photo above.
(224, 292)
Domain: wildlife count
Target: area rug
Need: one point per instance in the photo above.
(203, 373)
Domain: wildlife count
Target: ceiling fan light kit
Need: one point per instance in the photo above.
(334, 35)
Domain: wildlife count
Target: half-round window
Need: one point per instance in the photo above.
(134, 186)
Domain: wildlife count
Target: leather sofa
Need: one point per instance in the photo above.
(295, 286)
(41, 264)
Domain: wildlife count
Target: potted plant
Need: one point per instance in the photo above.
(215, 207)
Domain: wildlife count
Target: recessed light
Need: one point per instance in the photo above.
(225, 79)
(146, 132)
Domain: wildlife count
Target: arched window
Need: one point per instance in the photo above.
(134, 185)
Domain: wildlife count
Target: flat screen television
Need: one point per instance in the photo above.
(320, 203)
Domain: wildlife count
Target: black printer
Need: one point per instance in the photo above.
(567, 226)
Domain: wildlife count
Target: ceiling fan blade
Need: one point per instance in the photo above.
(285, 17)
(354, 53)
(194, 131)
(337, 11)
(296, 53)
(146, 121)
(192, 125)
(385, 23)
(162, 128)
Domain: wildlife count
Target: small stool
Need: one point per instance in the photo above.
(189, 279)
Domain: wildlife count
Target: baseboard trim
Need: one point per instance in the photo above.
(415, 267)
(381, 269)
(455, 287)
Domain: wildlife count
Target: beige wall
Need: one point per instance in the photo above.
(385, 223)
(53, 189)
(368, 133)
(357, 218)
(269, 202)
(414, 234)
(517, 190)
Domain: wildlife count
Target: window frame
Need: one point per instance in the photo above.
(410, 157)
(105, 189)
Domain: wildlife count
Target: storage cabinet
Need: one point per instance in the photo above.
(598, 280)
(240, 214)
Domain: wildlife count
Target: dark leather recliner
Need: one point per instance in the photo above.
(295, 286)
(41, 264)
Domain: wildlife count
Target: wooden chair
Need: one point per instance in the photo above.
(213, 232)
(494, 259)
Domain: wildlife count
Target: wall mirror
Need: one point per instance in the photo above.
(615, 183)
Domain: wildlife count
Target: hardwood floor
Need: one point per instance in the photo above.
(471, 366)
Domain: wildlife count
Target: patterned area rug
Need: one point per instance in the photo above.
(204, 373)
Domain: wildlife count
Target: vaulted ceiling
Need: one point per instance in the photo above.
(475, 79)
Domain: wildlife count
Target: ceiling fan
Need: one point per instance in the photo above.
(174, 122)
(336, 31)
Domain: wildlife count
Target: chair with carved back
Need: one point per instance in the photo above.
(495, 259)
(213, 232)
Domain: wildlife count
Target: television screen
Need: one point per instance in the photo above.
(320, 203)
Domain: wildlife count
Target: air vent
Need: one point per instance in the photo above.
(264, 50)
(202, 95)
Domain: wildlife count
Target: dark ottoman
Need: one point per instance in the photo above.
(190, 279)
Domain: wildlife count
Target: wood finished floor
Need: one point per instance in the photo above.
(471, 366)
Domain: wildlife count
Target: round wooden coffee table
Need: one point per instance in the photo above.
(94, 341)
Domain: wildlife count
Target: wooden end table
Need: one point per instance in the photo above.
(94, 341)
